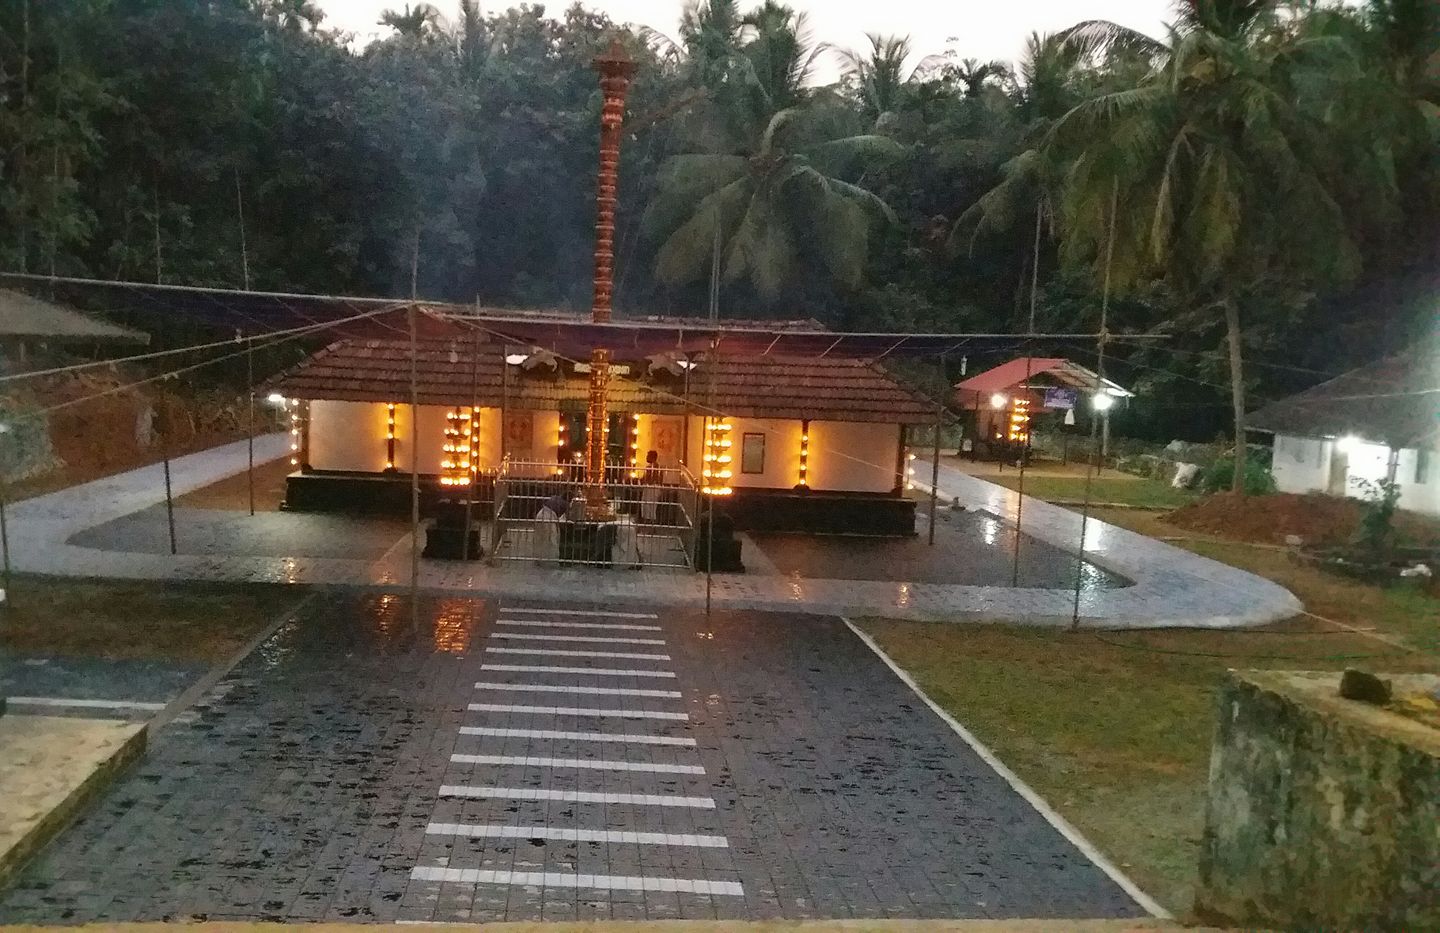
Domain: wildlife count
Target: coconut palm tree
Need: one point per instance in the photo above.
(975, 76)
(1213, 171)
(413, 23)
(880, 75)
(772, 193)
(297, 15)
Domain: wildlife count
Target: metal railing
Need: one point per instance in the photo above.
(539, 517)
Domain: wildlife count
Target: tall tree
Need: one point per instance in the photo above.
(1211, 170)
(776, 197)
(416, 23)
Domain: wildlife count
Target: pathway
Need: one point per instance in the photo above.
(1171, 587)
(518, 760)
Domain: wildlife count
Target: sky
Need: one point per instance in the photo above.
(983, 29)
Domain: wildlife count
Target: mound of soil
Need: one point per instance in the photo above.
(1316, 519)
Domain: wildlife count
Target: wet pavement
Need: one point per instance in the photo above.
(972, 548)
(264, 534)
(484, 762)
(97, 688)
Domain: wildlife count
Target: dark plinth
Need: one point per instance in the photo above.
(587, 542)
(717, 544)
(446, 540)
(375, 493)
(823, 513)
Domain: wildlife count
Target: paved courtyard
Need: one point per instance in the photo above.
(479, 760)
(1171, 587)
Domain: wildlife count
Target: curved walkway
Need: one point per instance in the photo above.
(1172, 587)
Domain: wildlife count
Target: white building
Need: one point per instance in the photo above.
(1375, 423)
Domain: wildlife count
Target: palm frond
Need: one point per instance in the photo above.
(838, 156)
(686, 253)
(1099, 38)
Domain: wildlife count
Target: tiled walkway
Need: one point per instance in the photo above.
(484, 762)
(1172, 587)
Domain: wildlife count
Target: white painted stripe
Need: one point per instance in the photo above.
(577, 796)
(66, 703)
(621, 837)
(550, 879)
(584, 764)
(597, 671)
(614, 626)
(567, 688)
(599, 639)
(603, 614)
(596, 712)
(565, 653)
(1061, 824)
(625, 737)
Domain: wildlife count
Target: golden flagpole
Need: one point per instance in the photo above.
(616, 71)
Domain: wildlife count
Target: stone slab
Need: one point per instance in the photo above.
(49, 768)
(1322, 812)
(686, 926)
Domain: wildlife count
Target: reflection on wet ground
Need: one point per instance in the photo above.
(221, 532)
(459, 762)
(971, 548)
(100, 688)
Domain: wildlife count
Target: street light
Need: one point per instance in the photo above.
(1104, 401)
(998, 400)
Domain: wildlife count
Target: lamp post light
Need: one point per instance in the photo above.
(616, 71)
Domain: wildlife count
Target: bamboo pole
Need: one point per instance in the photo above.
(414, 466)
(4, 541)
(1099, 387)
(164, 417)
(250, 429)
(474, 433)
(1020, 487)
(935, 470)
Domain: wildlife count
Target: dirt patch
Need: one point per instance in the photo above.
(1315, 519)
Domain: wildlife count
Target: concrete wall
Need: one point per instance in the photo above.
(1303, 464)
(351, 436)
(844, 456)
(1322, 812)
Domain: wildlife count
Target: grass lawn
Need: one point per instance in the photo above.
(1119, 490)
(1405, 613)
(1114, 729)
(138, 620)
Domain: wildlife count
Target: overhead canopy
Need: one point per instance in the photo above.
(1034, 373)
(453, 372)
(254, 313)
(1395, 401)
(26, 316)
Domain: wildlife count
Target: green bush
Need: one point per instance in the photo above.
(1220, 477)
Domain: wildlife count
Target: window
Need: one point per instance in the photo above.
(1422, 465)
(752, 453)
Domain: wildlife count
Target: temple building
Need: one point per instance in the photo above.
(805, 444)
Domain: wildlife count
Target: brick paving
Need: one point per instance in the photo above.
(1172, 587)
(319, 781)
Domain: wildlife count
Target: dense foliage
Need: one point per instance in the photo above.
(1268, 170)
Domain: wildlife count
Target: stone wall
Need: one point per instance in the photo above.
(1323, 813)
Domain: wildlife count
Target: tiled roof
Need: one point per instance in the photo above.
(1394, 401)
(449, 372)
(1039, 371)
